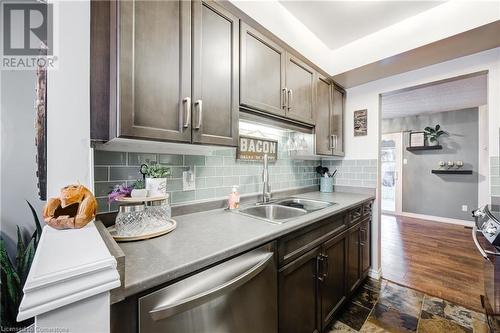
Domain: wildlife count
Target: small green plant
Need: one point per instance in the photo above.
(157, 171)
(434, 133)
(138, 184)
(13, 275)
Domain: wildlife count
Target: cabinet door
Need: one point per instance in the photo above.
(324, 117)
(300, 90)
(215, 74)
(298, 295)
(338, 121)
(365, 247)
(333, 284)
(354, 259)
(262, 72)
(154, 70)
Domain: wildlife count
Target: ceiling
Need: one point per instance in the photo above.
(353, 19)
(447, 95)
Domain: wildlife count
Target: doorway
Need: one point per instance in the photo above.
(391, 171)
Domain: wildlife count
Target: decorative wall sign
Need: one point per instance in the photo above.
(253, 149)
(361, 122)
(417, 139)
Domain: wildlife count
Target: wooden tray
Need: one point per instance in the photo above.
(171, 225)
(141, 199)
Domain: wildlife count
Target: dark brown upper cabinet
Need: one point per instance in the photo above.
(337, 130)
(330, 102)
(324, 116)
(215, 75)
(262, 73)
(173, 72)
(300, 81)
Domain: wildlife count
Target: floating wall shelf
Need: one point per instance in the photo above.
(452, 172)
(424, 148)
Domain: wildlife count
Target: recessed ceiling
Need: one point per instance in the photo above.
(337, 23)
(445, 96)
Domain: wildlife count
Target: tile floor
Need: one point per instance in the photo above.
(382, 306)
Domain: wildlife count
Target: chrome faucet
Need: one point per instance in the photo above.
(266, 190)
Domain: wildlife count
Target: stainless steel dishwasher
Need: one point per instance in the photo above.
(239, 295)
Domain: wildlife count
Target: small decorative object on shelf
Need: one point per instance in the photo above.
(450, 164)
(459, 164)
(155, 179)
(74, 209)
(138, 189)
(433, 134)
(442, 164)
(417, 139)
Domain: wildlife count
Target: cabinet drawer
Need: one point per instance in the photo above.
(298, 243)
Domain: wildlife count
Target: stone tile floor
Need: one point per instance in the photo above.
(382, 306)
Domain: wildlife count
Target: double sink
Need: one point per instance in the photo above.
(284, 210)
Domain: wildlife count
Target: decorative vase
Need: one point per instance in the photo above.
(156, 187)
(433, 143)
(139, 193)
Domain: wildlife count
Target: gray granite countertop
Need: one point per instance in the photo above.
(204, 238)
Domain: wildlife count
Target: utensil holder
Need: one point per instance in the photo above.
(326, 184)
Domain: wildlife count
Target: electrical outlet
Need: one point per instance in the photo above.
(464, 208)
(188, 181)
(405, 161)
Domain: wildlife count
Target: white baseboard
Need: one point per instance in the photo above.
(375, 273)
(439, 219)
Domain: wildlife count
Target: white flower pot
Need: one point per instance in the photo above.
(139, 193)
(156, 187)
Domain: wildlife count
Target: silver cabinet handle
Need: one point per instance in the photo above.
(253, 266)
(320, 267)
(199, 105)
(283, 96)
(331, 141)
(336, 141)
(187, 111)
(484, 253)
(290, 98)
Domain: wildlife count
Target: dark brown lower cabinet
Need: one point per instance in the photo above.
(333, 284)
(354, 258)
(298, 290)
(365, 245)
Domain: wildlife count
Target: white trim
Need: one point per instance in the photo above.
(439, 219)
(375, 274)
(69, 266)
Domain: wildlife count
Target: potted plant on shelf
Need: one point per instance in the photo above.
(156, 179)
(433, 134)
(139, 189)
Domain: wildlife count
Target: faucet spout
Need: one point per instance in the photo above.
(266, 191)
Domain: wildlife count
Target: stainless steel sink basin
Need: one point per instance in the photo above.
(309, 205)
(273, 213)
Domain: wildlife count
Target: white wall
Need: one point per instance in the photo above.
(366, 96)
(68, 98)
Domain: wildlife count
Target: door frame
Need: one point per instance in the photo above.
(398, 139)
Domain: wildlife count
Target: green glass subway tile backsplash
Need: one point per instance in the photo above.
(215, 174)
(217, 171)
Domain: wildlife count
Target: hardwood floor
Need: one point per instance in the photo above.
(439, 259)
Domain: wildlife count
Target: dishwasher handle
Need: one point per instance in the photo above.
(167, 310)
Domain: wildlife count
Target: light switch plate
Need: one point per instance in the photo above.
(188, 181)
(464, 208)
(405, 161)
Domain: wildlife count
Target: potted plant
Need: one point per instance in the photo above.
(156, 179)
(14, 275)
(139, 189)
(433, 134)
